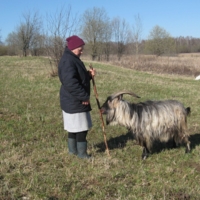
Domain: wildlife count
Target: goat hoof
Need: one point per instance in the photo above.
(144, 157)
(187, 151)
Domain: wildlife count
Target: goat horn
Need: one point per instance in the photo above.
(124, 92)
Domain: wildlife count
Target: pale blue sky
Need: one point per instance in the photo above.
(177, 17)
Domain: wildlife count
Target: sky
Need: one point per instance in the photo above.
(177, 17)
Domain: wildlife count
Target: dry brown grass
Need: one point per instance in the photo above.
(182, 64)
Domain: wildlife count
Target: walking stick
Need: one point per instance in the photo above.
(99, 107)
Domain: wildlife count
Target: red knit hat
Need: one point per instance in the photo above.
(74, 42)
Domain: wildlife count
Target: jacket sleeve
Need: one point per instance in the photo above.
(72, 82)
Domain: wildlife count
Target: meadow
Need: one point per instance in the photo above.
(34, 159)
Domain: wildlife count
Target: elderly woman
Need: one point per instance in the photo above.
(75, 96)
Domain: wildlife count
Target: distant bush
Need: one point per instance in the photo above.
(3, 50)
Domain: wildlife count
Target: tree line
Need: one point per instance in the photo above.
(103, 36)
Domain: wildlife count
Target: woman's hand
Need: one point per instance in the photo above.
(86, 102)
(92, 72)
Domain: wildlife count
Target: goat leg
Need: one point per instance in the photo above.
(187, 142)
(145, 152)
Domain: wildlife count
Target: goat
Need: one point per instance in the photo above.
(149, 121)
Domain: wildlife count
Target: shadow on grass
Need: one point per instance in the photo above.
(120, 142)
(160, 146)
(115, 143)
(195, 140)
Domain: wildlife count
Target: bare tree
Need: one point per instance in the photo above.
(121, 34)
(38, 45)
(28, 30)
(107, 41)
(13, 44)
(136, 33)
(94, 30)
(3, 48)
(160, 42)
(59, 26)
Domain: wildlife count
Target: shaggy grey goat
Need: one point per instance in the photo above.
(149, 121)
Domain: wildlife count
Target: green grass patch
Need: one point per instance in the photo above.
(33, 145)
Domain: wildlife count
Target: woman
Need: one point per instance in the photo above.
(75, 96)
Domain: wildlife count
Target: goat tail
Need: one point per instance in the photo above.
(188, 110)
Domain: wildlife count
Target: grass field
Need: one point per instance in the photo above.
(34, 160)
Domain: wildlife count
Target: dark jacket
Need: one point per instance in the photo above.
(75, 80)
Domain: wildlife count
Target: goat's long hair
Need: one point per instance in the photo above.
(150, 120)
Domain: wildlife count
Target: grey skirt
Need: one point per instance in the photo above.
(77, 122)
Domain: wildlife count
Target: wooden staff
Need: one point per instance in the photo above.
(99, 107)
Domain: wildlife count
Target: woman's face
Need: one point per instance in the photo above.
(78, 51)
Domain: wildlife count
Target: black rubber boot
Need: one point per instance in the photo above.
(82, 150)
(72, 146)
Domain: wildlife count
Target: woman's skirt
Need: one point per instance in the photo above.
(77, 122)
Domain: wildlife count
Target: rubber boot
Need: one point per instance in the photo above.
(72, 146)
(82, 150)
